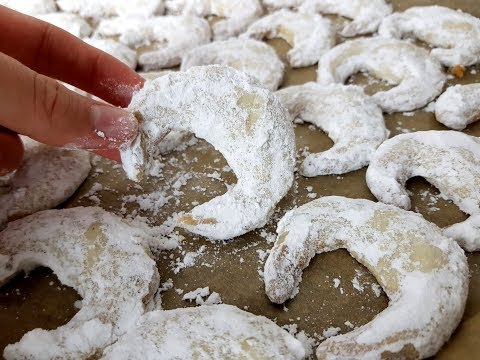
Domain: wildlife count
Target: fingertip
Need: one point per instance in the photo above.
(11, 152)
(115, 124)
(112, 154)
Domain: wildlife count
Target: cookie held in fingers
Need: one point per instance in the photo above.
(244, 121)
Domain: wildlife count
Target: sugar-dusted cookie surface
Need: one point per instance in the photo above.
(103, 258)
(453, 34)
(366, 15)
(310, 35)
(458, 106)
(242, 120)
(449, 160)
(47, 177)
(423, 273)
(348, 116)
(253, 57)
(214, 332)
(417, 77)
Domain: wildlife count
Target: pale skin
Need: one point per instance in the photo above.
(33, 54)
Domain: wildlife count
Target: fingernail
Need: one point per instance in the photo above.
(115, 125)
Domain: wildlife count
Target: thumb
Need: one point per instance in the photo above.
(43, 109)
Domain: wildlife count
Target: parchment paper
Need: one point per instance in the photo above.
(234, 269)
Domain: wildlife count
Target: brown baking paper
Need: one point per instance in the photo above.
(234, 269)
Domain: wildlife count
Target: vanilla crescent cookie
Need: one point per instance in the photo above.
(31, 7)
(118, 50)
(459, 106)
(242, 120)
(311, 35)
(72, 23)
(455, 35)
(205, 332)
(161, 41)
(47, 177)
(254, 58)
(423, 273)
(348, 116)
(236, 15)
(98, 9)
(366, 14)
(418, 78)
(449, 160)
(103, 258)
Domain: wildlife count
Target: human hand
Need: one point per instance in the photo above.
(33, 54)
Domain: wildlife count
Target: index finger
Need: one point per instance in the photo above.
(54, 52)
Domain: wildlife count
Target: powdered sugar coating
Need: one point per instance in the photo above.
(418, 77)
(244, 121)
(116, 49)
(47, 177)
(454, 35)
(72, 23)
(366, 14)
(459, 106)
(167, 38)
(310, 35)
(237, 14)
(424, 274)
(174, 139)
(206, 332)
(255, 58)
(280, 4)
(98, 9)
(449, 160)
(103, 258)
(31, 7)
(348, 116)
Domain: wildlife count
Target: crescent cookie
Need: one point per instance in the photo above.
(453, 34)
(418, 77)
(459, 106)
(116, 49)
(243, 121)
(449, 160)
(47, 177)
(424, 274)
(254, 58)
(98, 9)
(165, 39)
(366, 15)
(31, 7)
(71, 23)
(311, 35)
(348, 116)
(237, 15)
(213, 332)
(103, 258)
